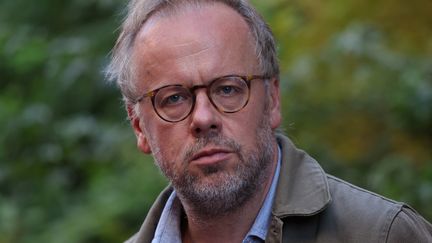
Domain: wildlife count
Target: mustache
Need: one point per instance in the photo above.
(212, 138)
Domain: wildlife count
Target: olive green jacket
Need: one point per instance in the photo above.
(311, 206)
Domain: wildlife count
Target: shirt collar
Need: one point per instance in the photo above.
(168, 228)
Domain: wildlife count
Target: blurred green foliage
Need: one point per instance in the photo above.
(356, 93)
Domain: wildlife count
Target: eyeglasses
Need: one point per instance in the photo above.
(229, 94)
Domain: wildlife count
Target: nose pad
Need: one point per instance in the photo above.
(205, 116)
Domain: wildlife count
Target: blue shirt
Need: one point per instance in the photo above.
(168, 229)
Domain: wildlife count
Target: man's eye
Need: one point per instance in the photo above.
(228, 90)
(174, 99)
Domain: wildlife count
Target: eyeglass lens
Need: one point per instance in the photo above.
(228, 94)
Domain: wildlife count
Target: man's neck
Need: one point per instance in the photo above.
(231, 227)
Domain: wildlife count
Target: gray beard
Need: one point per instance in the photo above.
(226, 191)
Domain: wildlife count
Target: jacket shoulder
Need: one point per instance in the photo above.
(408, 226)
(345, 194)
(363, 216)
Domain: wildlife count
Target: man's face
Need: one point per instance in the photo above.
(210, 155)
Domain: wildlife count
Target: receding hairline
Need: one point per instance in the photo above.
(182, 7)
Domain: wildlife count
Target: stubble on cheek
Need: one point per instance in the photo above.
(167, 161)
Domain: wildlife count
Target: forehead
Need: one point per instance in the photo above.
(210, 16)
(210, 37)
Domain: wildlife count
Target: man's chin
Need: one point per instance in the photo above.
(213, 181)
(215, 194)
(211, 177)
(210, 170)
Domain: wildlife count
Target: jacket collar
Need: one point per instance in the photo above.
(302, 187)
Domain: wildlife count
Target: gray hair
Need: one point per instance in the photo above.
(139, 11)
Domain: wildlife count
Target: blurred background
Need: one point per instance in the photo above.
(356, 89)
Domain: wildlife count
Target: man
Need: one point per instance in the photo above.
(200, 80)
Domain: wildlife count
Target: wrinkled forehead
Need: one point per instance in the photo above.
(209, 16)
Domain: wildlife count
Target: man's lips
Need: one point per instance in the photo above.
(210, 156)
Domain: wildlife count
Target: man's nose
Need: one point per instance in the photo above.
(205, 117)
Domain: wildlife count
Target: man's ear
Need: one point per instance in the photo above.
(136, 124)
(274, 105)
